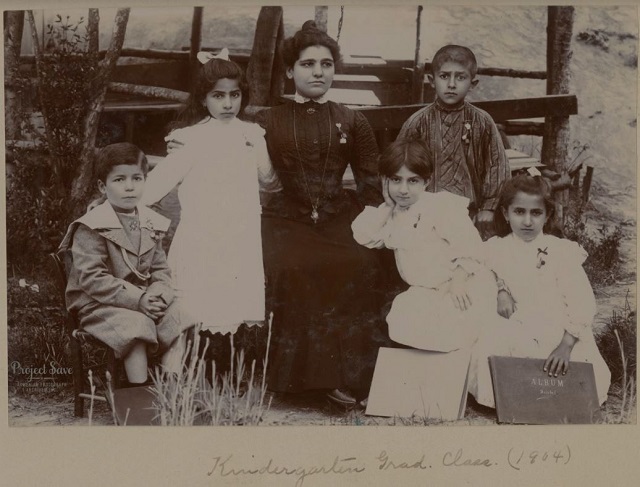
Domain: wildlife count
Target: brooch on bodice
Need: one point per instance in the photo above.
(541, 253)
(153, 234)
(343, 136)
(466, 131)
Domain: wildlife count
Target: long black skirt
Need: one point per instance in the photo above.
(327, 294)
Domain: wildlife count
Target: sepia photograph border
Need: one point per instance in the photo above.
(593, 455)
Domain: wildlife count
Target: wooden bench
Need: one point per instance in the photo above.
(130, 105)
(512, 114)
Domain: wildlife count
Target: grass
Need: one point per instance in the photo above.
(36, 337)
(601, 242)
(617, 343)
(187, 398)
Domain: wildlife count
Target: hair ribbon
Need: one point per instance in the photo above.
(533, 172)
(205, 56)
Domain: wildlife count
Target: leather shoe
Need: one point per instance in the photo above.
(341, 397)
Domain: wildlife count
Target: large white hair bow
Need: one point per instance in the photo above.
(205, 56)
(533, 172)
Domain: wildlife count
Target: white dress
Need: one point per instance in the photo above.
(216, 252)
(552, 294)
(430, 239)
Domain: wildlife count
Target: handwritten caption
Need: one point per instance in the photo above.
(516, 458)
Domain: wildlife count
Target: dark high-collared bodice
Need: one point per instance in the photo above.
(310, 146)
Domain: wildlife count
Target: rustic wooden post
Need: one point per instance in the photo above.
(556, 140)
(194, 47)
(322, 17)
(13, 28)
(261, 71)
(277, 76)
(37, 52)
(83, 183)
(417, 85)
(93, 30)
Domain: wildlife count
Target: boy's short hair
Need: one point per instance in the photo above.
(412, 153)
(122, 153)
(457, 54)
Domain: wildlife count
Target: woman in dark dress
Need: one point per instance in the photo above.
(323, 287)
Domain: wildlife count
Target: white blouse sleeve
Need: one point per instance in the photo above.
(165, 176)
(267, 176)
(458, 230)
(370, 227)
(576, 290)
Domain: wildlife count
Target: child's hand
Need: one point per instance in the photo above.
(385, 192)
(506, 304)
(484, 223)
(152, 306)
(458, 289)
(558, 360)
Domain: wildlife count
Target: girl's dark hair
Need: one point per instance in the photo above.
(208, 75)
(309, 35)
(533, 185)
(122, 153)
(412, 153)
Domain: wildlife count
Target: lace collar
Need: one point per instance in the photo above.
(303, 99)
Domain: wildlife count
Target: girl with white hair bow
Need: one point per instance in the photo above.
(222, 166)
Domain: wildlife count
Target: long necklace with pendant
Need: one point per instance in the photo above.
(314, 207)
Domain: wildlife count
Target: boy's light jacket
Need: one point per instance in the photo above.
(100, 273)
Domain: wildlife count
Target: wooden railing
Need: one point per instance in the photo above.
(387, 121)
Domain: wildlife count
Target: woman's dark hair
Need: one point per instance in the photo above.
(122, 153)
(412, 153)
(533, 185)
(309, 35)
(208, 75)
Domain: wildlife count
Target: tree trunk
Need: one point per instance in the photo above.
(557, 137)
(322, 17)
(555, 144)
(196, 42)
(54, 150)
(13, 28)
(260, 71)
(93, 30)
(83, 185)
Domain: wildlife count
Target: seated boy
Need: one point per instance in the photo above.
(463, 140)
(119, 283)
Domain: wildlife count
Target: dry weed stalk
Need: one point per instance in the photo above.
(176, 393)
(111, 398)
(626, 412)
(93, 390)
(187, 398)
(628, 387)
